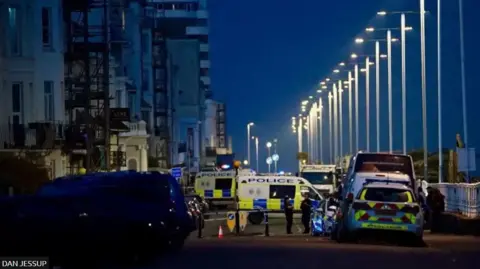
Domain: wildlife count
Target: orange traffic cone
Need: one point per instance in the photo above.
(220, 232)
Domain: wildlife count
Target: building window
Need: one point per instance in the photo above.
(118, 98)
(132, 104)
(14, 26)
(47, 27)
(17, 103)
(49, 101)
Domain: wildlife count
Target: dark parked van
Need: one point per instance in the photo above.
(120, 213)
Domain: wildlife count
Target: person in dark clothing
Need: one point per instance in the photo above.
(436, 203)
(306, 208)
(288, 210)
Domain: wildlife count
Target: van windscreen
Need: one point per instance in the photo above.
(282, 191)
(223, 183)
(385, 163)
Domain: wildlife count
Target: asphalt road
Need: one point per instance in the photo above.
(254, 250)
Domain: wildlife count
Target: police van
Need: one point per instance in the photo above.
(321, 176)
(218, 188)
(260, 193)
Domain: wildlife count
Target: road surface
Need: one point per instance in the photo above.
(254, 250)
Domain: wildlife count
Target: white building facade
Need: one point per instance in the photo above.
(31, 61)
(31, 74)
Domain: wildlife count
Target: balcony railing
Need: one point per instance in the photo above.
(35, 135)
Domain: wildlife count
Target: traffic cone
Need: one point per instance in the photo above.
(220, 232)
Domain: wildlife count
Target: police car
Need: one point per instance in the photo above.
(382, 205)
(267, 193)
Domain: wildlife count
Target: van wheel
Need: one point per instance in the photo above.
(256, 218)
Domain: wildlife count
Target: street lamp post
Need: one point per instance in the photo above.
(424, 89)
(350, 120)
(300, 140)
(464, 90)
(269, 145)
(367, 102)
(335, 123)
(275, 159)
(389, 60)
(340, 116)
(256, 152)
(377, 91)
(439, 85)
(320, 111)
(248, 141)
(331, 134)
(356, 108)
(404, 84)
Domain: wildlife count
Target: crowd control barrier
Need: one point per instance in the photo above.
(461, 198)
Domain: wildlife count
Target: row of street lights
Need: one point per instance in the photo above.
(314, 128)
(270, 159)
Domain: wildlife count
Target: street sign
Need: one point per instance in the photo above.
(243, 220)
(231, 220)
(466, 159)
(177, 173)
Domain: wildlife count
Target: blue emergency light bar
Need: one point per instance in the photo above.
(387, 181)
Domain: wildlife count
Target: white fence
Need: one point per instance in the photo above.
(461, 198)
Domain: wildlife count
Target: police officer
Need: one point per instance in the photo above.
(288, 209)
(306, 212)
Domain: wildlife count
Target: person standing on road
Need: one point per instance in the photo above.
(436, 202)
(288, 209)
(306, 208)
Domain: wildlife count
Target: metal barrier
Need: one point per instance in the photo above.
(461, 198)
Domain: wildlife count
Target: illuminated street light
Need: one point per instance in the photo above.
(342, 64)
(319, 91)
(408, 28)
(324, 87)
(245, 162)
(395, 39)
(310, 97)
(370, 29)
(336, 71)
(381, 13)
(383, 56)
(269, 144)
(327, 79)
(363, 70)
(359, 40)
(354, 56)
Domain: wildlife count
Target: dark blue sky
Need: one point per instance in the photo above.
(268, 55)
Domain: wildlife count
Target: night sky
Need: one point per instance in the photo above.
(268, 55)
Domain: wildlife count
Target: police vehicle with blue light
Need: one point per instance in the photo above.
(380, 205)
